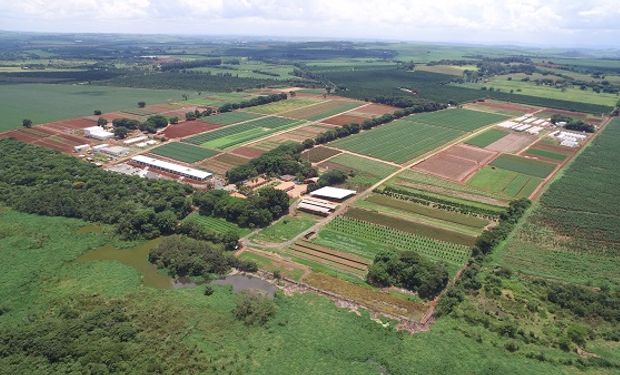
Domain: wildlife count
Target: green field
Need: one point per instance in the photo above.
(398, 141)
(183, 152)
(546, 154)
(237, 134)
(367, 239)
(218, 99)
(217, 224)
(281, 106)
(524, 166)
(51, 102)
(459, 119)
(286, 228)
(230, 118)
(505, 182)
(486, 138)
(343, 107)
(362, 172)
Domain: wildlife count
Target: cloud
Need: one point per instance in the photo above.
(475, 20)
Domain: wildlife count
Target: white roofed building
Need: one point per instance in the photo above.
(178, 169)
(333, 193)
(98, 132)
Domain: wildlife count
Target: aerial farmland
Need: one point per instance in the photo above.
(228, 206)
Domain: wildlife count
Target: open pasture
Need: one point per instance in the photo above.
(456, 163)
(362, 172)
(458, 119)
(398, 141)
(230, 118)
(512, 143)
(221, 163)
(488, 137)
(506, 183)
(322, 110)
(524, 165)
(318, 154)
(187, 128)
(183, 152)
(281, 106)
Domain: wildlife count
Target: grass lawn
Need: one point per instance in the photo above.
(183, 152)
(525, 166)
(486, 138)
(217, 224)
(286, 228)
(50, 102)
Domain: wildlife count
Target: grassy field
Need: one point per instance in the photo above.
(321, 110)
(458, 119)
(281, 106)
(183, 152)
(362, 172)
(524, 166)
(235, 135)
(486, 138)
(47, 102)
(546, 154)
(217, 224)
(573, 94)
(230, 118)
(505, 182)
(286, 228)
(399, 141)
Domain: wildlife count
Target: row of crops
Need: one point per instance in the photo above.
(383, 236)
(459, 119)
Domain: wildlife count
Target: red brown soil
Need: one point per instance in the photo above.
(114, 115)
(511, 143)
(456, 163)
(187, 128)
(248, 152)
(376, 109)
(344, 119)
(221, 163)
(318, 154)
(513, 107)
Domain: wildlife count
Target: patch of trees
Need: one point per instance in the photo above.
(284, 159)
(184, 256)
(408, 270)
(259, 100)
(265, 73)
(573, 124)
(178, 65)
(259, 209)
(197, 231)
(329, 178)
(486, 242)
(587, 303)
(253, 309)
(40, 181)
(122, 126)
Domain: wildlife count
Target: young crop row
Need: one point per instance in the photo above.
(382, 236)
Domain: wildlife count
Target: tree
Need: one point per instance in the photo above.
(254, 309)
(328, 89)
(141, 104)
(185, 97)
(101, 121)
(97, 112)
(27, 123)
(174, 120)
(121, 132)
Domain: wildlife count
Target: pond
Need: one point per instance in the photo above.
(137, 258)
(250, 283)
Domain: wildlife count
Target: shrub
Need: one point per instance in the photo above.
(254, 309)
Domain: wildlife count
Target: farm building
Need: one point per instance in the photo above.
(256, 182)
(317, 206)
(287, 177)
(133, 140)
(178, 169)
(98, 132)
(332, 193)
(115, 151)
(80, 148)
(285, 186)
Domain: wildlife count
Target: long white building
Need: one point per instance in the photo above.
(181, 170)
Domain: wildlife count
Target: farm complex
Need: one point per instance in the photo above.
(289, 191)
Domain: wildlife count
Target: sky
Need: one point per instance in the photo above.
(565, 23)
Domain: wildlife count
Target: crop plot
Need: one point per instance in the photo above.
(188, 128)
(508, 183)
(398, 141)
(374, 110)
(300, 134)
(69, 125)
(183, 152)
(456, 163)
(281, 106)
(512, 143)
(234, 135)
(321, 110)
(230, 118)
(248, 152)
(523, 165)
(458, 119)
(549, 152)
(343, 261)
(488, 137)
(362, 172)
(503, 108)
(47, 137)
(344, 119)
(318, 154)
(222, 163)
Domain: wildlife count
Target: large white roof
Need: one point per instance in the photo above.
(173, 167)
(332, 192)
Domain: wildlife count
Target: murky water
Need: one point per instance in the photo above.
(244, 282)
(137, 258)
